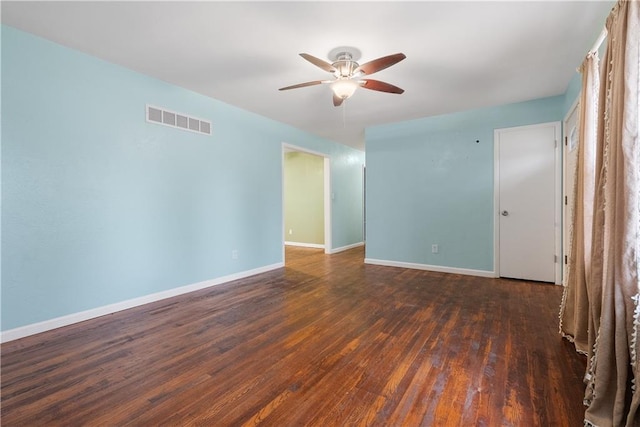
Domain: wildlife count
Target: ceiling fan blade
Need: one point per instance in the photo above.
(380, 86)
(313, 83)
(380, 63)
(337, 101)
(319, 62)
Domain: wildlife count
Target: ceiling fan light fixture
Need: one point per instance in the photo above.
(347, 73)
(344, 88)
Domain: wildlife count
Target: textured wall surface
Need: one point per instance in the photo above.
(430, 181)
(100, 206)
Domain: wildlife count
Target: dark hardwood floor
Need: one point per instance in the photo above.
(326, 341)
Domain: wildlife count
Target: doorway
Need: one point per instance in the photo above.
(527, 209)
(570, 160)
(310, 196)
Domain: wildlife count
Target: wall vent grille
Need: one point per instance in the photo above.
(162, 116)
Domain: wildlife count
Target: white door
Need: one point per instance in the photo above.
(570, 159)
(526, 173)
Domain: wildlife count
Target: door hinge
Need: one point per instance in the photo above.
(565, 200)
(555, 259)
(565, 140)
(565, 259)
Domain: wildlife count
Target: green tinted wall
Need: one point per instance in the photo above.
(303, 198)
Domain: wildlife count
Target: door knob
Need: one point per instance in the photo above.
(505, 213)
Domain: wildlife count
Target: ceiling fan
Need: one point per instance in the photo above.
(348, 74)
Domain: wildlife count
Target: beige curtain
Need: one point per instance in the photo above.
(613, 282)
(574, 310)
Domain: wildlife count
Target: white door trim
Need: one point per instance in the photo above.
(557, 196)
(327, 193)
(565, 183)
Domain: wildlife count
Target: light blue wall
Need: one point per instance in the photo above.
(572, 93)
(430, 182)
(99, 206)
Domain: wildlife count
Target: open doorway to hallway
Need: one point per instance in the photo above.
(306, 199)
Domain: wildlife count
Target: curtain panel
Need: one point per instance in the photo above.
(574, 310)
(611, 396)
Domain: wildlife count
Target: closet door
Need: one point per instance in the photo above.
(526, 202)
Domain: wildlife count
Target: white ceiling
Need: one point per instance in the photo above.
(460, 55)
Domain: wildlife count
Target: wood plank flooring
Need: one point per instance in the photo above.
(326, 341)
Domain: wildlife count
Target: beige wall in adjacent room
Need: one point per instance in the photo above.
(303, 198)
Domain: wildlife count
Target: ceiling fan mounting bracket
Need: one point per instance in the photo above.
(344, 61)
(344, 56)
(335, 53)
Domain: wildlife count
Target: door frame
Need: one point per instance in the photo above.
(566, 239)
(557, 196)
(286, 147)
(364, 203)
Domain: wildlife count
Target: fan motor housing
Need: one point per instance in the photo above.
(344, 65)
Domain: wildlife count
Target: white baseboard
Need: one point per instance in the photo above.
(305, 245)
(436, 268)
(47, 325)
(345, 248)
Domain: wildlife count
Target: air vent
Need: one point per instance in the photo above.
(166, 117)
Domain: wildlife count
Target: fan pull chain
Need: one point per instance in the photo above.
(344, 114)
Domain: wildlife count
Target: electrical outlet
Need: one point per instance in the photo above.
(290, 231)
(234, 254)
(434, 249)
